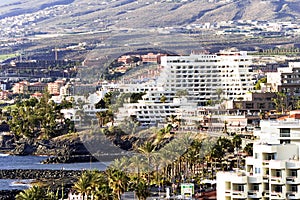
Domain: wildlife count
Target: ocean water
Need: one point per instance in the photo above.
(33, 162)
(12, 184)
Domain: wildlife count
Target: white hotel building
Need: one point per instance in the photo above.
(201, 76)
(274, 170)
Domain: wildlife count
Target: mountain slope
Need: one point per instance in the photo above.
(144, 14)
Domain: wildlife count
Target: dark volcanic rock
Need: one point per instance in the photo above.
(70, 159)
(24, 149)
(38, 174)
(53, 178)
(8, 194)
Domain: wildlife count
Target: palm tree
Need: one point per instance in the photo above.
(83, 185)
(117, 181)
(163, 99)
(165, 161)
(90, 182)
(33, 193)
(120, 164)
(219, 92)
(147, 149)
(173, 119)
(99, 186)
(137, 162)
(101, 117)
(280, 101)
(237, 141)
(248, 149)
(142, 190)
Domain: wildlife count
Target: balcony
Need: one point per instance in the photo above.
(239, 194)
(266, 193)
(277, 164)
(292, 195)
(293, 164)
(227, 192)
(289, 135)
(292, 180)
(266, 178)
(276, 180)
(266, 163)
(255, 179)
(254, 194)
(277, 195)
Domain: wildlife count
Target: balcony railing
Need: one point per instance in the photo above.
(238, 194)
(254, 194)
(277, 195)
(266, 163)
(292, 195)
(276, 180)
(292, 180)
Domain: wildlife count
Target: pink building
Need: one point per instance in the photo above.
(54, 88)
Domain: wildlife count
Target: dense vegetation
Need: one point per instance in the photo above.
(33, 118)
(185, 159)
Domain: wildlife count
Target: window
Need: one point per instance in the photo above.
(285, 141)
(284, 132)
(294, 188)
(271, 156)
(261, 105)
(278, 173)
(278, 188)
(255, 186)
(249, 105)
(294, 172)
(257, 170)
(241, 188)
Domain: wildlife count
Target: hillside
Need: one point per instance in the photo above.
(88, 14)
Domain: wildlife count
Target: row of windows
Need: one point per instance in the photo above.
(195, 81)
(152, 112)
(189, 61)
(154, 107)
(259, 105)
(225, 68)
(196, 72)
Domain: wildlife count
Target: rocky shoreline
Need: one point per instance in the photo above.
(53, 178)
(38, 173)
(8, 194)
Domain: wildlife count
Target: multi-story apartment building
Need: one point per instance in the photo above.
(286, 80)
(208, 77)
(273, 172)
(54, 88)
(24, 87)
(151, 58)
(37, 87)
(4, 95)
(21, 87)
(253, 102)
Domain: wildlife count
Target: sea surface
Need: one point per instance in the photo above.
(33, 162)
